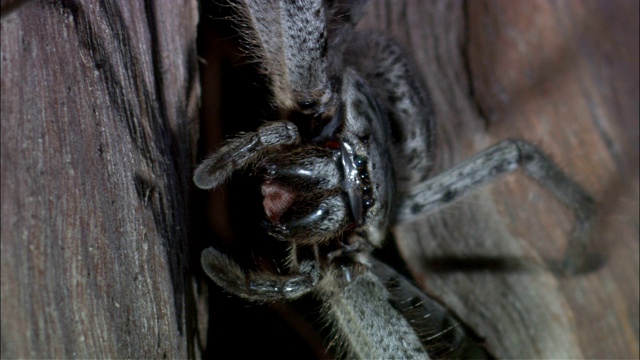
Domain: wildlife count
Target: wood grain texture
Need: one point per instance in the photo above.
(99, 126)
(564, 76)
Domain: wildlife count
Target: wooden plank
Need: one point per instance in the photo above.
(99, 126)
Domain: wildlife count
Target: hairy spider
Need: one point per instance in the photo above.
(352, 156)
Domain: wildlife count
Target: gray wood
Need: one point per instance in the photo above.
(99, 125)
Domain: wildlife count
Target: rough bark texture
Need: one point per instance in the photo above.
(562, 75)
(99, 126)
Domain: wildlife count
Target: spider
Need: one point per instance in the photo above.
(352, 156)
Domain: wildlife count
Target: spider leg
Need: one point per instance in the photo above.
(503, 158)
(290, 40)
(356, 245)
(258, 286)
(242, 151)
(367, 325)
(442, 335)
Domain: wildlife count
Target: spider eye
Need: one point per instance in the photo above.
(307, 104)
(367, 202)
(365, 138)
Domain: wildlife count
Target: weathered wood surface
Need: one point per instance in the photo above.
(563, 75)
(99, 126)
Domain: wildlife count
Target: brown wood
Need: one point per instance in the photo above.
(99, 126)
(564, 76)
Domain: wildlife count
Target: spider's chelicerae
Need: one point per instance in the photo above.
(352, 156)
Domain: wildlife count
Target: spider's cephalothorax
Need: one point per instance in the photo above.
(333, 192)
(358, 125)
(351, 158)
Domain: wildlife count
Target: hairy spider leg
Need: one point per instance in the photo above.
(259, 286)
(291, 46)
(442, 335)
(367, 326)
(503, 158)
(242, 151)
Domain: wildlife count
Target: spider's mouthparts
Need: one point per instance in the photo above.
(277, 199)
(356, 182)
